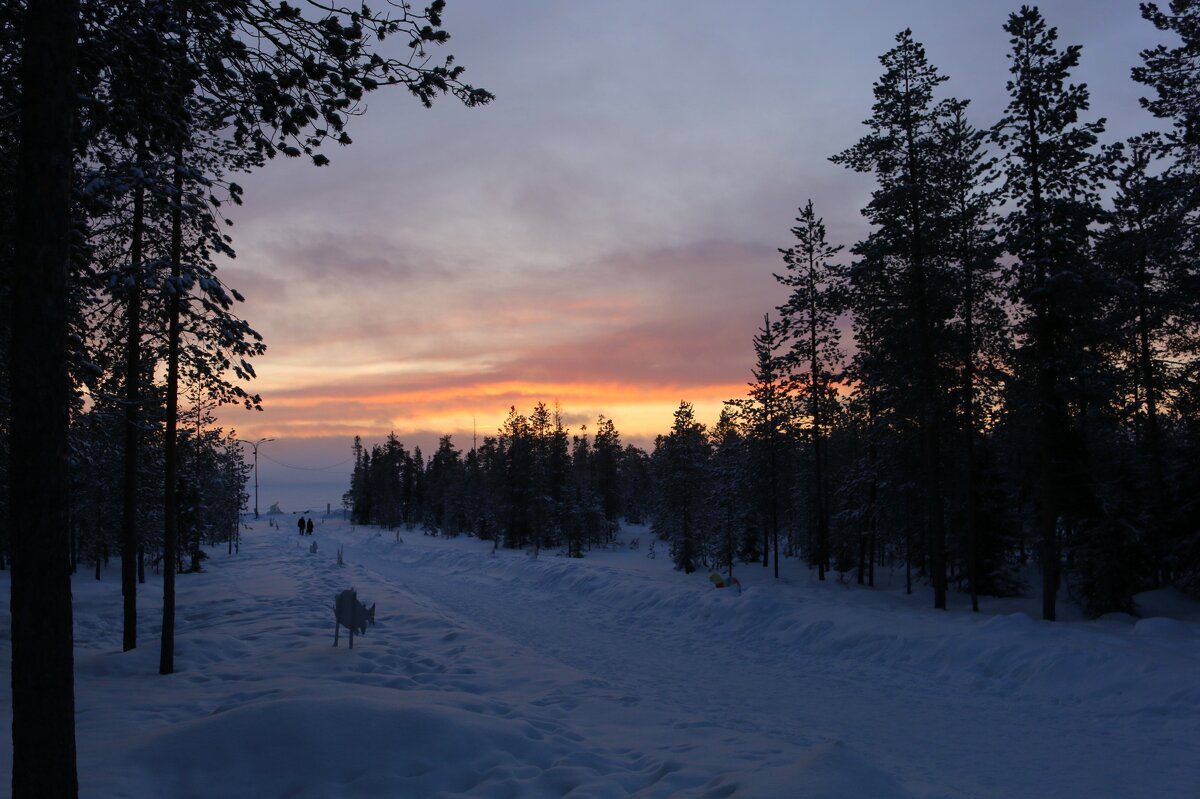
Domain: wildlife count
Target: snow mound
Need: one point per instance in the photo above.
(1166, 628)
(1004, 655)
(831, 771)
(375, 742)
(1169, 602)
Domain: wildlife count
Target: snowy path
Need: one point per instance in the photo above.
(500, 675)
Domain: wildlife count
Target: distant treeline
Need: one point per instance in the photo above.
(533, 484)
(1022, 389)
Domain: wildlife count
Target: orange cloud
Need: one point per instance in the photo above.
(640, 412)
(629, 336)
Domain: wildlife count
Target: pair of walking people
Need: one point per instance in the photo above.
(304, 526)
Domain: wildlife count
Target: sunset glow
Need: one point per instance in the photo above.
(604, 235)
(639, 412)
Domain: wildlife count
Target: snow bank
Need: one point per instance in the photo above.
(1007, 655)
(831, 771)
(371, 742)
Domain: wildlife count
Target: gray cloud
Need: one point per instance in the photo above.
(615, 214)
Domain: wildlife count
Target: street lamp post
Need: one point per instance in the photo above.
(254, 448)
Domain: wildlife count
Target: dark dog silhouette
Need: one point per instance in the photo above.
(351, 614)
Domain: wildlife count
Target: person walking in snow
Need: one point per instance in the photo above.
(309, 526)
(300, 524)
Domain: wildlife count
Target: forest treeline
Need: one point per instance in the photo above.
(532, 484)
(122, 126)
(1002, 376)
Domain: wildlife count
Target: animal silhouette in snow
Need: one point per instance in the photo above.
(351, 614)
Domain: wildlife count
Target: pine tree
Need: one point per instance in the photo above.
(491, 467)
(870, 283)
(517, 446)
(419, 484)
(560, 469)
(731, 495)
(680, 465)
(443, 484)
(43, 698)
(1140, 249)
(541, 508)
(585, 516)
(1051, 181)
(1173, 72)
(904, 249)
(980, 322)
(810, 318)
(766, 414)
(360, 512)
(634, 474)
(1174, 75)
(606, 448)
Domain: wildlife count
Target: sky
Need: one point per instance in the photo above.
(604, 234)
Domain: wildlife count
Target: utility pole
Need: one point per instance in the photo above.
(254, 448)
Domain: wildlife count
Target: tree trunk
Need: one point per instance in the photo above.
(774, 483)
(1047, 472)
(1162, 575)
(873, 487)
(166, 657)
(966, 256)
(133, 376)
(908, 556)
(815, 419)
(928, 399)
(73, 554)
(1047, 381)
(43, 681)
(972, 529)
(935, 526)
(862, 558)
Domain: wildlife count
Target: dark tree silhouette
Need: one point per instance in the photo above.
(42, 661)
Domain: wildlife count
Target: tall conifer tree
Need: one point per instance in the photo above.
(1051, 179)
(809, 319)
(971, 252)
(902, 151)
(680, 466)
(43, 683)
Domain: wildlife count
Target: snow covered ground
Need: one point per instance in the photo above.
(491, 674)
